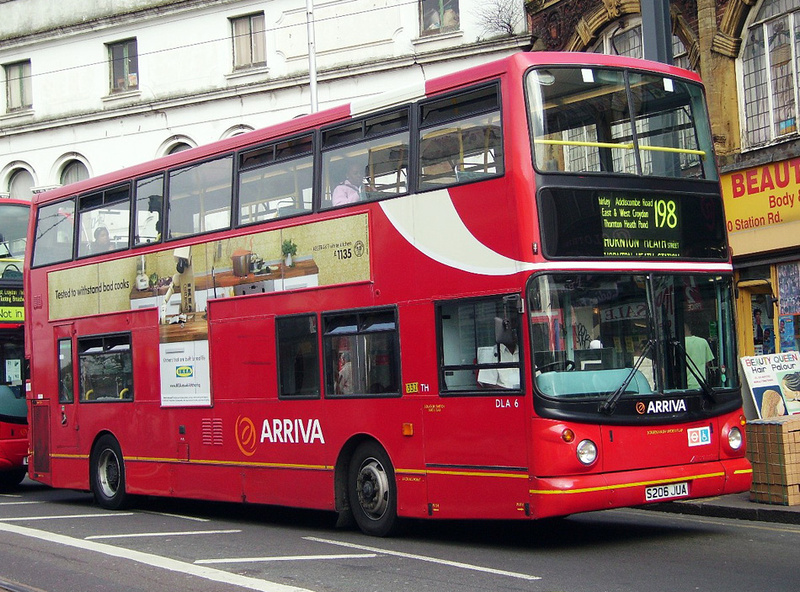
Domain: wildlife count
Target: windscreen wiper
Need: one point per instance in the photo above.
(4, 244)
(701, 380)
(609, 405)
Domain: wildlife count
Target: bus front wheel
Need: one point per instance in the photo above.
(372, 490)
(108, 474)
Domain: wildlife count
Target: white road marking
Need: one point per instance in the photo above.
(18, 503)
(151, 560)
(489, 570)
(158, 534)
(286, 558)
(65, 517)
(168, 515)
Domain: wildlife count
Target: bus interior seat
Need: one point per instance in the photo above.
(594, 359)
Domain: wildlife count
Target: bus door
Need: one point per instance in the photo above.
(475, 431)
(65, 424)
(39, 422)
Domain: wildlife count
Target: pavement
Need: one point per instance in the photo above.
(734, 505)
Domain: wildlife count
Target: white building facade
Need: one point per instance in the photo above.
(92, 86)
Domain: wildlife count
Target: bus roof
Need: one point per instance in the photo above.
(5, 201)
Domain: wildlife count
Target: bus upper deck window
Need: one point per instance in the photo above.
(55, 233)
(583, 120)
(200, 197)
(461, 138)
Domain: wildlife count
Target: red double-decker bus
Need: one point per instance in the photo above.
(14, 216)
(505, 293)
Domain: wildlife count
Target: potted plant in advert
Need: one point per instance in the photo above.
(289, 250)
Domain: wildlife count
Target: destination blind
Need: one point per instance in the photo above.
(642, 225)
(11, 307)
(645, 227)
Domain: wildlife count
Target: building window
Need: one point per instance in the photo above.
(73, 172)
(625, 38)
(18, 86)
(680, 55)
(179, 147)
(770, 76)
(619, 39)
(249, 48)
(19, 185)
(438, 16)
(123, 64)
(788, 321)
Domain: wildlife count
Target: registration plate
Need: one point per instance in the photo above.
(668, 491)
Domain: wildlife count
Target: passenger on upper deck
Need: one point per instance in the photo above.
(349, 190)
(102, 240)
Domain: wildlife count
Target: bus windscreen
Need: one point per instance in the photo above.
(602, 120)
(13, 228)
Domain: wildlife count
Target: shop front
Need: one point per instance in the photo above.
(762, 207)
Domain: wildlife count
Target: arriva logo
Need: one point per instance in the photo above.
(184, 371)
(668, 406)
(292, 431)
(246, 435)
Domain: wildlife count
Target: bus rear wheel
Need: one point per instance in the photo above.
(10, 479)
(372, 490)
(108, 474)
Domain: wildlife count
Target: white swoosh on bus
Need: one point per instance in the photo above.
(430, 222)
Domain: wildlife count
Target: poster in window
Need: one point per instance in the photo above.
(774, 383)
(789, 288)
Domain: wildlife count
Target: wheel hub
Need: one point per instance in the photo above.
(373, 488)
(109, 473)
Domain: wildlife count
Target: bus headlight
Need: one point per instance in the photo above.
(735, 438)
(586, 452)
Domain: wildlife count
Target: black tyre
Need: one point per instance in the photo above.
(108, 474)
(372, 490)
(10, 479)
